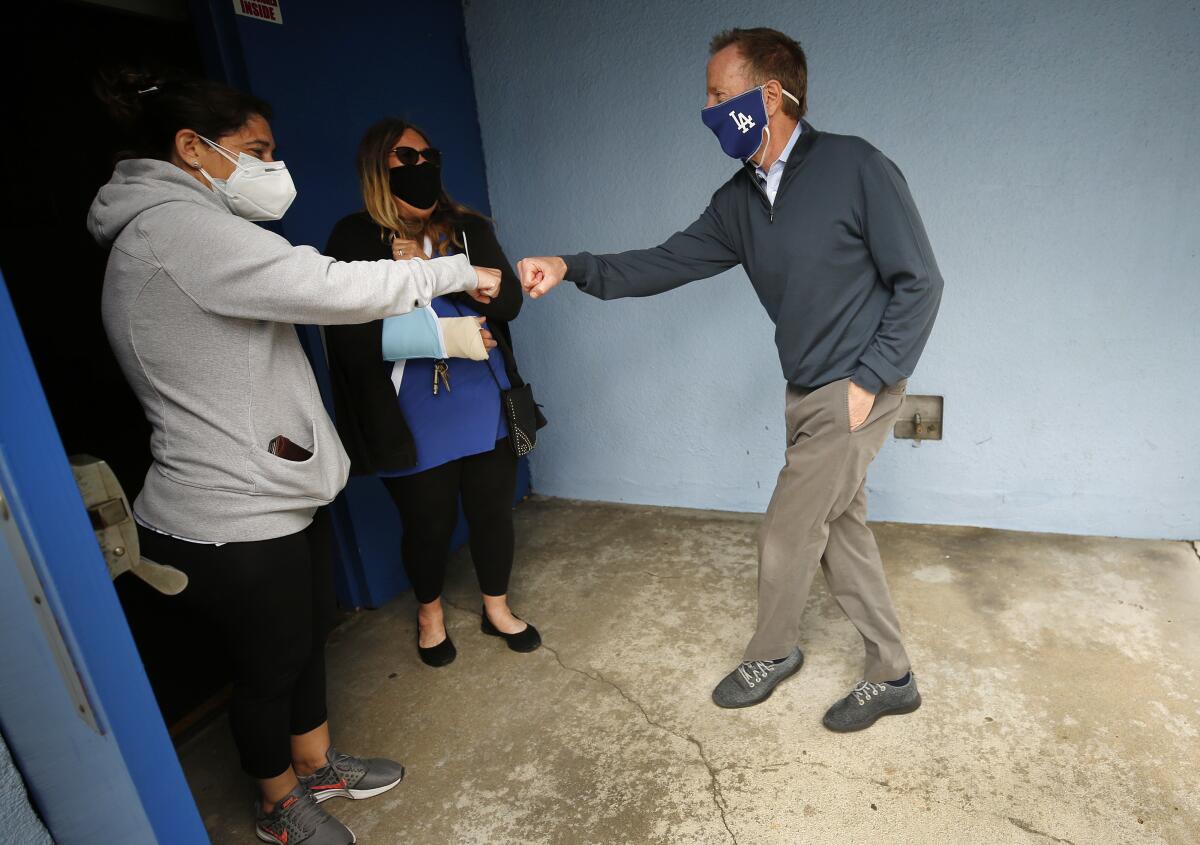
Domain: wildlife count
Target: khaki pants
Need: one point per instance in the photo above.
(818, 517)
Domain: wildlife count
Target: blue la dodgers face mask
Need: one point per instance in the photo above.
(740, 123)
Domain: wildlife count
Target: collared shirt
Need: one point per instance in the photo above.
(771, 178)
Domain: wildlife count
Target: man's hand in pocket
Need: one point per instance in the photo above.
(861, 403)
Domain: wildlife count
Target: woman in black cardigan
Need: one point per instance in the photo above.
(431, 428)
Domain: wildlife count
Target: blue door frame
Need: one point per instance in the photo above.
(76, 708)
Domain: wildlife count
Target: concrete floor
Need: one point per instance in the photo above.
(1059, 676)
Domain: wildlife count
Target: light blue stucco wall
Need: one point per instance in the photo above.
(1052, 149)
(18, 820)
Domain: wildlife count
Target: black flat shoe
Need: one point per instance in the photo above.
(441, 654)
(523, 641)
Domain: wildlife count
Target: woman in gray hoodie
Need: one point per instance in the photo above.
(199, 305)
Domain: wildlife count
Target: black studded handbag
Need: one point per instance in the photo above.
(521, 412)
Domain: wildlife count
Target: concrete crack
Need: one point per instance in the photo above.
(714, 783)
(1028, 828)
(1195, 544)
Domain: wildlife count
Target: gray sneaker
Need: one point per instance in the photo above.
(349, 777)
(868, 701)
(754, 680)
(297, 819)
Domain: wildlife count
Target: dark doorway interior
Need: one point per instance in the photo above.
(58, 150)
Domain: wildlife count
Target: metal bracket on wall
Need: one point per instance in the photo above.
(920, 419)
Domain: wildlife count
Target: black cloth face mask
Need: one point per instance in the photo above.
(419, 185)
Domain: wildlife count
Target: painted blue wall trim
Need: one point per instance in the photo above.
(63, 548)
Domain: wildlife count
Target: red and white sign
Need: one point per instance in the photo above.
(264, 10)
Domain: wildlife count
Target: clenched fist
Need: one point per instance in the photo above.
(489, 284)
(539, 275)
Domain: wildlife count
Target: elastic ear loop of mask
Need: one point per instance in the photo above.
(767, 130)
(228, 154)
(765, 146)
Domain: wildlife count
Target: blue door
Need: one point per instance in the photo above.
(76, 709)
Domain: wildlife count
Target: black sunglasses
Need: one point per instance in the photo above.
(408, 156)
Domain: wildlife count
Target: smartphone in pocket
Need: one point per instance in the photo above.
(281, 447)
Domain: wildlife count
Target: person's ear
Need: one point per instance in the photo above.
(773, 94)
(188, 147)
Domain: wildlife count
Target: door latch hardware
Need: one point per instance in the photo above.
(116, 531)
(107, 514)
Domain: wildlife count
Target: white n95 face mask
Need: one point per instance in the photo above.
(256, 190)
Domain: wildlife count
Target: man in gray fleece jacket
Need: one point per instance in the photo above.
(199, 306)
(826, 230)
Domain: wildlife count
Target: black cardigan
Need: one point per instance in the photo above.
(369, 420)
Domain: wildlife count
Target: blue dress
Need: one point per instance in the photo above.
(456, 423)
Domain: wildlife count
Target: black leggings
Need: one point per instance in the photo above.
(428, 505)
(270, 604)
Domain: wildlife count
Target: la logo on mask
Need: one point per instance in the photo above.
(733, 120)
(738, 122)
(744, 122)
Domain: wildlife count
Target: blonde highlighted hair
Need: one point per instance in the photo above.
(374, 177)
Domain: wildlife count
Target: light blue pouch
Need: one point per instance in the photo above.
(414, 335)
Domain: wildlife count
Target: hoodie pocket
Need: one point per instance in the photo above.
(319, 477)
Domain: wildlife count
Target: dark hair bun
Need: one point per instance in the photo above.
(122, 91)
(150, 106)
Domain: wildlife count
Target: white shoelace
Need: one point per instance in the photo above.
(755, 671)
(865, 690)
